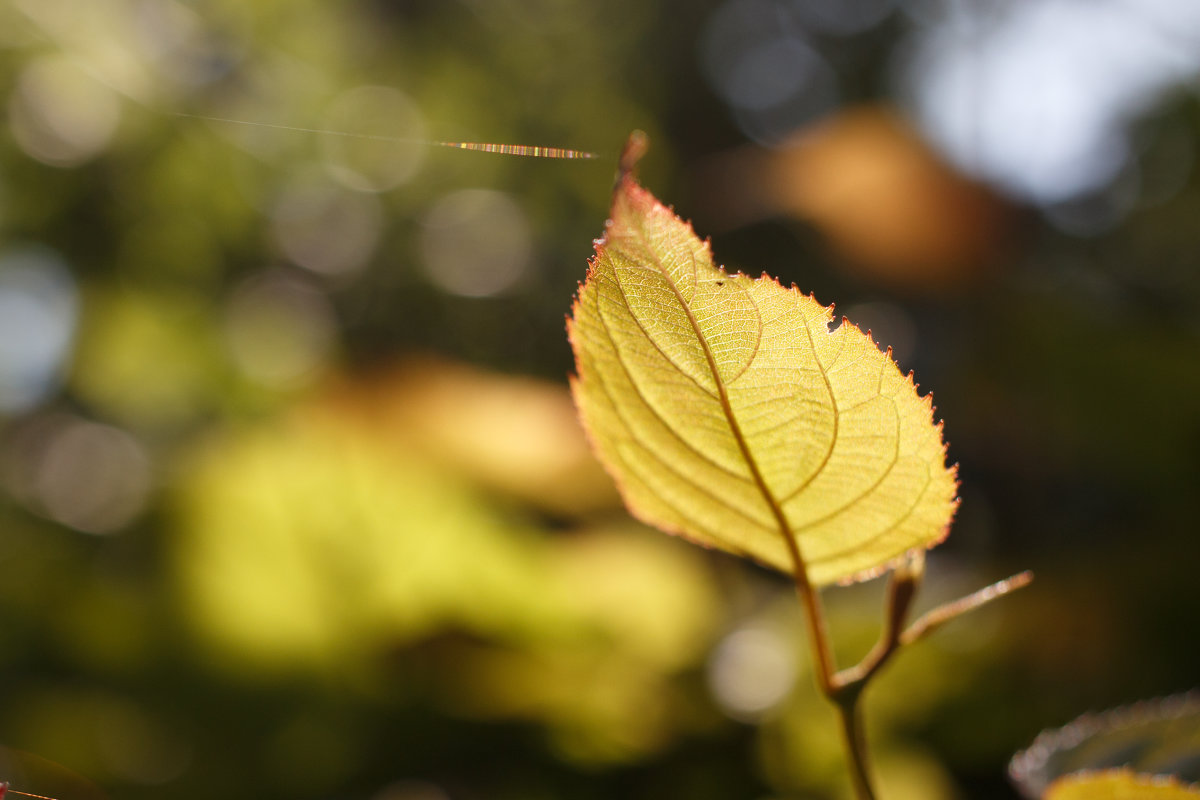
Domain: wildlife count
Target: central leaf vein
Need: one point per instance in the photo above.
(731, 418)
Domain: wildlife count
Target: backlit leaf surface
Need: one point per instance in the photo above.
(1119, 785)
(730, 414)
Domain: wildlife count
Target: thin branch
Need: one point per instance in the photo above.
(939, 616)
(845, 688)
(856, 748)
(902, 588)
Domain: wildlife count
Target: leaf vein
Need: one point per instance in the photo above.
(892, 461)
(877, 536)
(735, 428)
(650, 408)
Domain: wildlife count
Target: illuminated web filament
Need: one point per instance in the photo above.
(533, 151)
(4, 789)
(527, 150)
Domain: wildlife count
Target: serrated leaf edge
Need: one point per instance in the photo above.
(1024, 767)
(786, 530)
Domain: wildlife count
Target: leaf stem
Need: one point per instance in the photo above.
(844, 696)
(818, 632)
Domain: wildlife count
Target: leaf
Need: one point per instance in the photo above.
(1153, 737)
(729, 413)
(1119, 784)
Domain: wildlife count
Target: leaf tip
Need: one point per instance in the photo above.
(635, 147)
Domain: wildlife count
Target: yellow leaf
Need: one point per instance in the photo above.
(1119, 784)
(730, 414)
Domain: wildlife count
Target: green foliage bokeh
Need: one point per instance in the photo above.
(259, 538)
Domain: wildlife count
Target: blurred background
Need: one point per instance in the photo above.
(293, 502)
